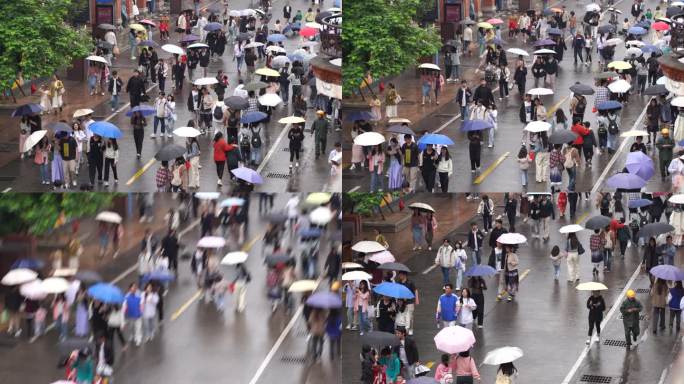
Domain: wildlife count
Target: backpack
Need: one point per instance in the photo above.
(244, 143)
(613, 128)
(218, 113)
(580, 106)
(605, 202)
(272, 279)
(569, 161)
(643, 219)
(653, 65)
(256, 139)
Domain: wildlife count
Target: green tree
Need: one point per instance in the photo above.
(383, 37)
(36, 41)
(37, 213)
(365, 203)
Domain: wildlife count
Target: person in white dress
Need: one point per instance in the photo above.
(464, 308)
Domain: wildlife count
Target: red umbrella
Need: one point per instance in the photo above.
(308, 32)
(660, 26)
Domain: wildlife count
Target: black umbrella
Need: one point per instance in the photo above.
(170, 152)
(106, 27)
(401, 129)
(582, 89)
(672, 11)
(88, 276)
(606, 75)
(380, 339)
(105, 44)
(255, 86)
(244, 36)
(608, 28)
(277, 258)
(394, 267)
(236, 102)
(597, 222)
(658, 89)
(298, 70)
(59, 126)
(467, 22)
(562, 136)
(655, 229)
(277, 218)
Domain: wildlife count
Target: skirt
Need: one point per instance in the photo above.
(57, 168)
(57, 101)
(82, 327)
(395, 176)
(357, 154)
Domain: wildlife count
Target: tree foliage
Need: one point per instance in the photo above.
(365, 203)
(382, 37)
(37, 213)
(36, 40)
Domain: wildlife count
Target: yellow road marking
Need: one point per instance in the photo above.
(582, 218)
(141, 171)
(491, 168)
(551, 111)
(524, 274)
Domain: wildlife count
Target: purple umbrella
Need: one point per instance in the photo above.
(476, 125)
(324, 300)
(543, 42)
(639, 164)
(626, 181)
(190, 38)
(667, 272)
(247, 174)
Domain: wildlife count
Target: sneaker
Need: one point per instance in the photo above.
(348, 327)
(116, 181)
(588, 342)
(490, 146)
(410, 332)
(297, 164)
(169, 135)
(106, 183)
(74, 183)
(152, 135)
(138, 155)
(219, 182)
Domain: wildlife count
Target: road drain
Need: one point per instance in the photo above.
(615, 343)
(278, 175)
(596, 379)
(290, 359)
(643, 290)
(286, 149)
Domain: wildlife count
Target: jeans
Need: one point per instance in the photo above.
(611, 141)
(45, 172)
(545, 226)
(487, 224)
(445, 274)
(364, 326)
(658, 318)
(350, 316)
(454, 71)
(490, 137)
(316, 345)
(523, 177)
(459, 277)
(556, 271)
(62, 327)
(475, 256)
(675, 314)
(136, 334)
(572, 172)
(149, 323)
(607, 258)
(464, 112)
(374, 181)
(115, 101)
(163, 124)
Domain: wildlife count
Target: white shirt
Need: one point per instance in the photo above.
(465, 314)
(468, 34)
(240, 91)
(110, 37)
(291, 206)
(149, 305)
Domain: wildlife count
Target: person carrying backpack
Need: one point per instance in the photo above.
(577, 107)
(245, 145)
(613, 132)
(255, 140)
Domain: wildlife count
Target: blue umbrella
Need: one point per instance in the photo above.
(625, 181)
(189, 38)
(644, 24)
(146, 110)
(667, 272)
(106, 129)
(394, 290)
(608, 105)
(28, 263)
(435, 139)
(27, 110)
(639, 203)
(636, 31)
(295, 57)
(106, 293)
(247, 174)
(252, 117)
(553, 31)
(359, 115)
(310, 232)
(498, 41)
(476, 125)
(161, 276)
(324, 300)
(276, 38)
(640, 164)
(59, 126)
(481, 270)
(213, 27)
(650, 48)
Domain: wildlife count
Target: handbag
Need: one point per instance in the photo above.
(580, 249)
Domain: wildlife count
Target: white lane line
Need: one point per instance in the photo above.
(354, 189)
(274, 147)
(6, 190)
(598, 184)
(433, 266)
(605, 321)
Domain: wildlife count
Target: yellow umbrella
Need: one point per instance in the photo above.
(317, 198)
(399, 120)
(620, 65)
(267, 72)
(137, 27)
(292, 120)
(485, 25)
(303, 286)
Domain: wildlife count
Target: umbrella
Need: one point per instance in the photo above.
(639, 203)
(454, 339)
(495, 21)
(634, 133)
(597, 222)
(321, 216)
(636, 31)
(270, 99)
(394, 290)
(106, 293)
(480, 270)
(429, 66)
(608, 105)
(148, 22)
(207, 195)
(236, 102)
(367, 246)
(544, 42)
(278, 258)
(310, 233)
(206, 81)
(380, 339)
(170, 152)
(109, 217)
(64, 272)
(267, 72)
(537, 126)
(369, 139)
(83, 112)
(57, 126)
(435, 139)
(308, 32)
(233, 202)
(145, 110)
(655, 229)
(476, 125)
(18, 276)
(517, 51)
(279, 61)
(186, 39)
(277, 218)
(553, 31)
(593, 7)
(197, 45)
(606, 75)
(27, 110)
(633, 51)
(661, 80)
(677, 101)
(667, 272)
(275, 48)
(186, 132)
(608, 28)
(88, 276)
(253, 117)
(544, 52)
(213, 27)
(105, 129)
(502, 355)
(325, 300)
(292, 120)
(562, 136)
(639, 164)
(98, 59)
(172, 48)
(619, 65)
(318, 198)
(247, 174)
(591, 286)
(676, 199)
(467, 22)
(33, 290)
(28, 263)
(650, 48)
(400, 129)
(55, 285)
(511, 238)
(276, 37)
(243, 36)
(611, 9)
(394, 266)
(582, 89)
(656, 90)
(636, 43)
(34, 139)
(350, 265)
(303, 286)
(399, 120)
(540, 92)
(485, 25)
(148, 43)
(211, 242)
(356, 275)
(161, 276)
(625, 181)
(570, 228)
(612, 42)
(104, 44)
(107, 27)
(422, 206)
(360, 115)
(382, 257)
(233, 258)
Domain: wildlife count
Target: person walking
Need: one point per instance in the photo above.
(674, 303)
(402, 278)
(475, 240)
(111, 159)
(596, 245)
(463, 367)
(463, 98)
(444, 168)
(428, 167)
(68, 149)
(446, 259)
(596, 306)
(220, 150)
(132, 308)
(114, 88)
(95, 159)
(659, 293)
(407, 350)
(464, 308)
(385, 313)
(193, 156)
(296, 137)
(361, 302)
(411, 159)
(630, 309)
(417, 229)
(136, 88)
(573, 249)
(242, 278)
(319, 129)
(392, 99)
(60, 315)
(486, 209)
(447, 307)
(149, 302)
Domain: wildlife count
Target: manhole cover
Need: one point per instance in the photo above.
(277, 175)
(615, 343)
(291, 359)
(643, 290)
(596, 379)
(286, 149)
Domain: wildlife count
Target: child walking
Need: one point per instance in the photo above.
(556, 258)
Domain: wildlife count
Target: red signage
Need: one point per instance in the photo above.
(452, 12)
(104, 14)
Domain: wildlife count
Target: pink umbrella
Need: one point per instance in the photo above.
(660, 26)
(454, 339)
(382, 257)
(308, 31)
(495, 21)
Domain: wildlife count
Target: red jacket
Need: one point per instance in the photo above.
(220, 149)
(582, 131)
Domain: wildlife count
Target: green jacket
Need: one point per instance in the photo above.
(320, 127)
(665, 146)
(630, 318)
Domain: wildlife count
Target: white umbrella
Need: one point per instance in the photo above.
(321, 216)
(382, 257)
(676, 199)
(424, 206)
(270, 99)
(517, 51)
(399, 120)
(636, 43)
(19, 276)
(279, 61)
(64, 272)
(198, 45)
(571, 228)
(677, 4)
(334, 9)
(34, 139)
(511, 238)
(172, 48)
(211, 242)
(98, 59)
(503, 355)
(336, 62)
(292, 120)
(544, 51)
(429, 66)
(634, 133)
(614, 41)
(33, 290)
(356, 275)
(109, 217)
(254, 44)
(540, 92)
(662, 80)
(275, 48)
(454, 339)
(677, 101)
(593, 7)
(313, 24)
(233, 258)
(303, 286)
(207, 195)
(367, 246)
(233, 202)
(83, 112)
(537, 126)
(186, 132)
(55, 285)
(633, 51)
(619, 86)
(367, 139)
(591, 286)
(350, 265)
(206, 81)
